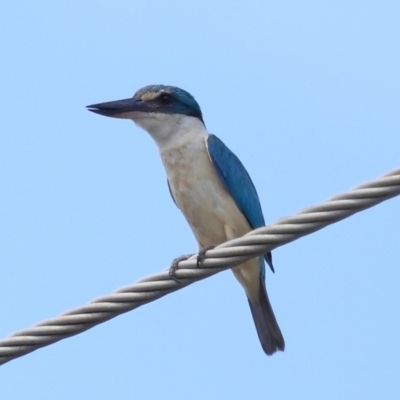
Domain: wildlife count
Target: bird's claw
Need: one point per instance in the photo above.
(201, 255)
(174, 266)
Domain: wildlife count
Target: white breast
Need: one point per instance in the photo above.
(201, 196)
(209, 209)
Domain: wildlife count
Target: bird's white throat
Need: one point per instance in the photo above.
(170, 130)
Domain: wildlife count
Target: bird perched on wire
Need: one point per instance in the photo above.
(209, 185)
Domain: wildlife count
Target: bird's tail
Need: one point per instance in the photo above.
(264, 319)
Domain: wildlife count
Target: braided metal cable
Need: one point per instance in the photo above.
(222, 257)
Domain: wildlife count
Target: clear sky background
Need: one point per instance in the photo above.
(307, 94)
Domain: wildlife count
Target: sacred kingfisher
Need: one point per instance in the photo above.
(209, 185)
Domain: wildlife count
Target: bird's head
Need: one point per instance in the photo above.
(160, 110)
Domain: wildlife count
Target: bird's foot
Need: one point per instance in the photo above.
(201, 255)
(174, 266)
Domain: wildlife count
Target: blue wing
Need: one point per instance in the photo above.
(170, 192)
(238, 183)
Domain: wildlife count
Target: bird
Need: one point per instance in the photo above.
(208, 183)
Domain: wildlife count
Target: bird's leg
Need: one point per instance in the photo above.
(200, 258)
(202, 253)
(174, 266)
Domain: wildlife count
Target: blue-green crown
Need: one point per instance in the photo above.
(169, 100)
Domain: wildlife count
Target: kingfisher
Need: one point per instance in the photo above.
(208, 183)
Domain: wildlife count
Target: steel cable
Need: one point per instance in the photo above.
(222, 257)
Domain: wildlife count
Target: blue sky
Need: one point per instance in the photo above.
(305, 93)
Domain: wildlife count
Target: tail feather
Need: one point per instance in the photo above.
(264, 319)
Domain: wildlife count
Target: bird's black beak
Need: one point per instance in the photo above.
(120, 108)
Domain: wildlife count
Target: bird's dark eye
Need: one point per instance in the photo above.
(166, 99)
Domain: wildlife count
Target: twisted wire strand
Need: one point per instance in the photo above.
(226, 255)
